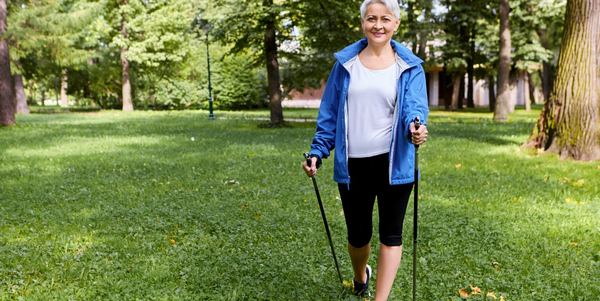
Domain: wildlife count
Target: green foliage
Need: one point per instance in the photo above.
(487, 43)
(239, 85)
(169, 93)
(322, 28)
(418, 22)
(536, 32)
(174, 206)
(168, 60)
(236, 82)
(530, 56)
(308, 33)
(48, 37)
(464, 23)
(159, 33)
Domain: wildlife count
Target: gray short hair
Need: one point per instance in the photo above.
(392, 5)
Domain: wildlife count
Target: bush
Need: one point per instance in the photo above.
(239, 85)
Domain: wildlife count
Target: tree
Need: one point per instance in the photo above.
(275, 95)
(426, 26)
(21, 99)
(301, 35)
(548, 22)
(419, 24)
(535, 28)
(255, 25)
(570, 121)
(125, 78)
(82, 41)
(7, 94)
(503, 99)
(487, 45)
(466, 35)
(152, 37)
(321, 29)
(48, 40)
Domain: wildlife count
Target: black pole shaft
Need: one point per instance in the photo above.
(337, 267)
(415, 223)
(210, 98)
(415, 216)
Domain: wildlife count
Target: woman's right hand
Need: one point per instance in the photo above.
(311, 170)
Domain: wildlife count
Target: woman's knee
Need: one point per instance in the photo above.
(359, 240)
(391, 240)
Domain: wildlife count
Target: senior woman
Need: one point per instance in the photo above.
(375, 92)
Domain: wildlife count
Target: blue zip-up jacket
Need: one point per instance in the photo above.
(411, 102)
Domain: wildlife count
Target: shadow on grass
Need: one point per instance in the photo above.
(484, 131)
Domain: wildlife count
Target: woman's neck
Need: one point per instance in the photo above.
(376, 58)
(379, 51)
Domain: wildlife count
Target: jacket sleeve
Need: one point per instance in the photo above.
(415, 100)
(324, 140)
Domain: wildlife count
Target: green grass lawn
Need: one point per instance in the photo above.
(172, 206)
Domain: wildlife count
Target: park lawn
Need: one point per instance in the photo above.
(172, 206)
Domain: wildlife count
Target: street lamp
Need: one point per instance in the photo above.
(206, 27)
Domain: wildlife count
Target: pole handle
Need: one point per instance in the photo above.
(417, 123)
(308, 160)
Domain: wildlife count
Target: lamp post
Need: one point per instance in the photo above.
(206, 27)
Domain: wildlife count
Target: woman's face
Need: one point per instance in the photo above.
(379, 24)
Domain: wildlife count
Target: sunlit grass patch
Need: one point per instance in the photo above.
(77, 146)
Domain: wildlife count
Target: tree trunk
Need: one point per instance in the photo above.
(503, 100)
(492, 92)
(521, 85)
(446, 88)
(423, 46)
(471, 70)
(424, 34)
(22, 107)
(461, 92)
(64, 85)
(275, 95)
(547, 72)
(411, 25)
(125, 82)
(527, 91)
(547, 75)
(570, 121)
(532, 96)
(7, 92)
(56, 91)
(456, 81)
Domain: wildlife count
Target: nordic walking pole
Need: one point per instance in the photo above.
(337, 267)
(415, 215)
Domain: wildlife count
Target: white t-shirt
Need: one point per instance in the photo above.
(371, 102)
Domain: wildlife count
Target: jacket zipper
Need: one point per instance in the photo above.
(393, 139)
(345, 91)
(346, 129)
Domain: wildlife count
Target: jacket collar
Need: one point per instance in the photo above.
(348, 54)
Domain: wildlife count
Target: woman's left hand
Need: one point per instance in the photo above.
(419, 136)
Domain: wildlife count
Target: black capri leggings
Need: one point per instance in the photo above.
(369, 179)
